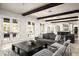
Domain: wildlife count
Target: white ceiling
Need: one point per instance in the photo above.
(20, 7)
(63, 16)
(57, 9)
(25, 7)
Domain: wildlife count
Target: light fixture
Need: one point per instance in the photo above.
(50, 11)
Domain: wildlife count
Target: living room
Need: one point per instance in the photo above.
(42, 24)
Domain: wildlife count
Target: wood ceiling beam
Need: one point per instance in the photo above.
(41, 8)
(65, 21)
(62, 18)
(59, 14)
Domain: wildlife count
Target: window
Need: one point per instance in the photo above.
(57, 28)
(10, 32)
(6, 25)
(41, 28)
(29, 23)
(15, 21)
(65, 27)
(15, 27)
(31, 29)
(48, 29)
(7, 20)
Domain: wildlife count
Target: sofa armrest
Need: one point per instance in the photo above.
(44, 52)
(56, 45)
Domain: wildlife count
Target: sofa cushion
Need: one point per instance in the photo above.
(52, 36)
(49, 36)
(56, 45)
(48, 41)
(60, 51)
(58, 37)
(52, 49)
(46, 36)
(44, 52)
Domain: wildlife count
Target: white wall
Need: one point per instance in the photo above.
(61, 26)
(22, 34)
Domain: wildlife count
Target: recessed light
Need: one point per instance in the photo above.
(50, 11)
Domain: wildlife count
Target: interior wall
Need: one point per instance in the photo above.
(71, 28)
(22, 34)
(48, 27)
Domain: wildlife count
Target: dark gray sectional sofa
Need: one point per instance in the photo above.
(48, 38)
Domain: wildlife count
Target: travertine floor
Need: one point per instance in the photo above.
(75, 49)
